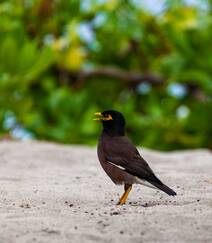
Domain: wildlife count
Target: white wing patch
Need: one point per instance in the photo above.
(137, 180)
(118, 166)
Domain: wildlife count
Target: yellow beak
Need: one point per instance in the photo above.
(101, 117)
(98, 118)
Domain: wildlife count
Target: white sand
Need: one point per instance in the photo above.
(54, 193)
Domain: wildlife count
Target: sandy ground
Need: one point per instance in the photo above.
(55, 193)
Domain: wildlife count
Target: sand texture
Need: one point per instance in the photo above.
(55, 193)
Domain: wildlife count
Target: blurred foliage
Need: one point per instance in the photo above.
(46, 45)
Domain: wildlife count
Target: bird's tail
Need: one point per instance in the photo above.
(164, 188)
(156, 183)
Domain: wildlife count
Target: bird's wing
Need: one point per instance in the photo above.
(121, 152)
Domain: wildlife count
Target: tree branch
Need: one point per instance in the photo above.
(131, 78)
(128, 77)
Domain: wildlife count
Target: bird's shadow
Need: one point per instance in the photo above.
(145, 205)
(161, 203)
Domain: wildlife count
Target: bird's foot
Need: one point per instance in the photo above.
(123, 198)
(120, 203)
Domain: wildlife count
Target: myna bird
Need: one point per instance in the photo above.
(120, 159)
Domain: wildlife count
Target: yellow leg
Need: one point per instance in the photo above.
(123, 198)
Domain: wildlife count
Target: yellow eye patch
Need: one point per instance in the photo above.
(107, 117)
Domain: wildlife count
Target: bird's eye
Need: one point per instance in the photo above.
(107, 117)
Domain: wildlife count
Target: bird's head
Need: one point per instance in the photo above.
(113, 122)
